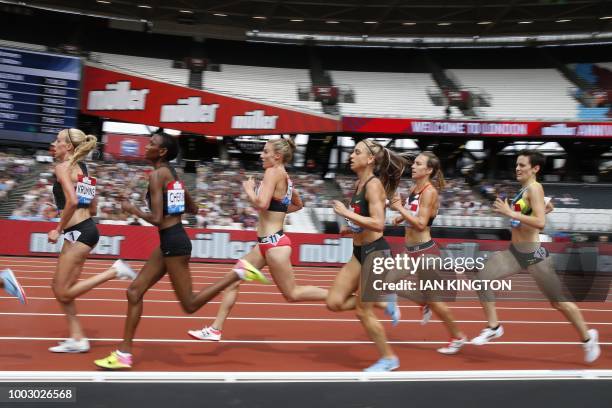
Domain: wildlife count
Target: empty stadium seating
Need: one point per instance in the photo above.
(277, 85)
(521, 93)
(388, 94)
(155, 68)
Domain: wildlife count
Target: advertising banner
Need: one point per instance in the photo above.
(29, 238)
(131, 98)
(407, 126)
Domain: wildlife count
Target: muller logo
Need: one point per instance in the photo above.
(189, 110)
(118, 96)
(559, 129)
(256, 119)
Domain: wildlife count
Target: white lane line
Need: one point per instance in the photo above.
(161, 340)
(297, 304)
(287, 319)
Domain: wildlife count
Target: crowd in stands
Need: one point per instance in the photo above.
(218, 192)
(217, 188)
(223, 202)
(12, 171)
(115, 182)
(490, 191)
(457, 197)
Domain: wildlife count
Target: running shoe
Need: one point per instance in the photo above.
(12, 286)
(71, 346)
(453, 346)
(487, 334)
(383, 365)
(425, 314)
(249, 273)
(208, 333)
(124, 271)
(591, 347)
(115, 361)
(392, 309)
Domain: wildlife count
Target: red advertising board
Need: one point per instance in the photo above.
(407, 126)
(29, 238)
(125, 147)
(130, 98)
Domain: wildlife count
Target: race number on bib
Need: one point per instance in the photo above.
(85, 189)
(176, 197)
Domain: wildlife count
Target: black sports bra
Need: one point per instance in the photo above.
(282, 205)
(359, 205)
(85, 188)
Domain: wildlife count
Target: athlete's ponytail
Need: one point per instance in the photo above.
(82, 143)
(433, 162)
(388, 166)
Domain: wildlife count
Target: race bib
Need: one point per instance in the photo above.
(353, 226)
(85, 189)
(176, 197)
(413, 207)
(72, 236)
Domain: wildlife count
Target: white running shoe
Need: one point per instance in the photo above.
(453, 346)
(124, 271)
(208, 333)
(12, 286)
(591, 347)
(71, 346)
(425, 314)
(487, 334)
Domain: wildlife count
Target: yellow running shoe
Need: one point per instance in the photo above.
(251, 273)
(115, 361)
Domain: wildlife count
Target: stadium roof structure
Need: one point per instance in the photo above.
(564, 20)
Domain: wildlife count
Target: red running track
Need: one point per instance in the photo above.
(265, 333)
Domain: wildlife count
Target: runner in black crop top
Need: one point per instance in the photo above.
(359, 205)
(58, 193)
(359, 202)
